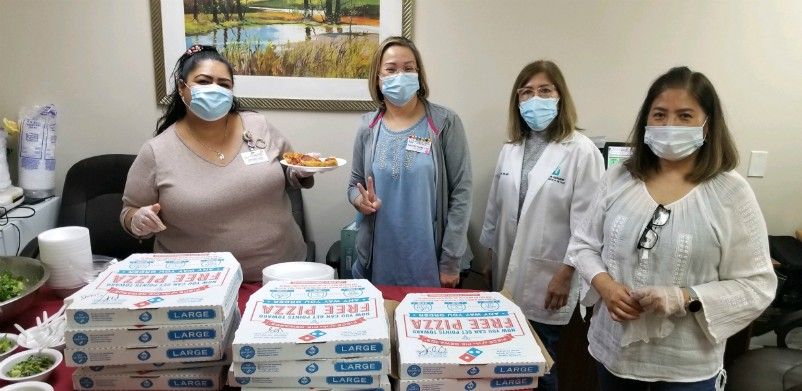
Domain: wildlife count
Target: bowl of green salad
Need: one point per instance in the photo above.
(8, 344)
(30, 365)
(20, 279)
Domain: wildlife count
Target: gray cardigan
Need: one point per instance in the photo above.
(452, 163)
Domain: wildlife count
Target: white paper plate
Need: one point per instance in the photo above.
(340, 162)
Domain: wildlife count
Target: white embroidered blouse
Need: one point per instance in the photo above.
(715, 241)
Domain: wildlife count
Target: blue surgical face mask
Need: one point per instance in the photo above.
(400, 88)
(210, 102)
(539, 112)
(674, 142)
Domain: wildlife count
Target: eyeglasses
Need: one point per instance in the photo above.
(649, 236)
(526, 93)
(389, 71)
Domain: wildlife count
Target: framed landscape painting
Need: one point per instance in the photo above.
(286, 54)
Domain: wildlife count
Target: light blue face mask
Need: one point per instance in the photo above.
(539, 112)
(400, 88)
(210, 102)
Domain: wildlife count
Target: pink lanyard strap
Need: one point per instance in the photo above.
(428, 119)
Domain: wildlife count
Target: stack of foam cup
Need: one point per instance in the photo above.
(67, 253)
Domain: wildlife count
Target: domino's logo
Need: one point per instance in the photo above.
(470, 355)
(471, 385)
(81, 317)
(242, 380)
(313, 350)
(304, 381)
(147, 383)
(473, 371)
(80, 358)
(312, 368)
(80, 339)
(312, 336)
(247, 352)
(86, 382)
(145, 316)
(144, 356)
(413, 387)
(145, 337)
(248, 368)
(413, 371)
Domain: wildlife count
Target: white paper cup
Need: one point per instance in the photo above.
(287, 271)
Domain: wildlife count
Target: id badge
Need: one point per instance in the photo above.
(419, 145)
(254, 157)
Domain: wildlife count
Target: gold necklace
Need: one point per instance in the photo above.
(220, 155)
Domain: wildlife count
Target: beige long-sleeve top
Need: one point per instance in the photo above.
(239, 208)
(715, 241)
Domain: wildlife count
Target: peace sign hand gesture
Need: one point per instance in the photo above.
(366, 202)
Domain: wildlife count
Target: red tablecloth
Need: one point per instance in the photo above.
(61, 379)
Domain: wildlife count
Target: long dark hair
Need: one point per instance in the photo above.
(718, 154)
(175, 108)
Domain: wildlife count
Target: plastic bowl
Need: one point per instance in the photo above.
(36, 274)
(14, 346)
(9, 362)
(28, 386)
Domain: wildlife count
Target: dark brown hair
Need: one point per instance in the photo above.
(373, 78)
(563, 125)
(718, 153)
(189, 60)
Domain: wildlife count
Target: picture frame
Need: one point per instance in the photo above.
(271, 92)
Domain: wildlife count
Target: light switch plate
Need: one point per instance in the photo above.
(757, 163)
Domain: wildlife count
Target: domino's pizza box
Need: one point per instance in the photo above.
(163, 289)
(506, 383)
(208, 350)
(465, 335)
(362, 382)
(161, 366)
(209, 378)
(149, 335)
(379, 365)
(384, 385)
(313, 319)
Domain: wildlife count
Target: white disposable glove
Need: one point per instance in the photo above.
(146, 221)
(661, 300)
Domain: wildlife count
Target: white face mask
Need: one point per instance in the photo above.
(674, 142)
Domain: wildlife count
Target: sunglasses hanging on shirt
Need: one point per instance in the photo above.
(648, 239)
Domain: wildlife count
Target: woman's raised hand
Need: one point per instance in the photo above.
(366, 202)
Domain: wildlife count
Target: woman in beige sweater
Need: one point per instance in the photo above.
(211, 179)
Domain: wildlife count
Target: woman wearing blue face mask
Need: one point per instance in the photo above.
(674, 246)
(545, 177)
(211, 179)
(410, 178)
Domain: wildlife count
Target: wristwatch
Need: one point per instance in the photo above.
(693, 304)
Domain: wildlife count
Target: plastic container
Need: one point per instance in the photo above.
(287, 271)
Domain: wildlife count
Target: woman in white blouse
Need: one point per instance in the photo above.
(674, 245)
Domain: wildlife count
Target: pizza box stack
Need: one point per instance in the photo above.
(313, 334)
(465, 341)
(155, 321)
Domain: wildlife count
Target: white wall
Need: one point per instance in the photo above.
(93, 59)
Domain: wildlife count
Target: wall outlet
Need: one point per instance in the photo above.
(757, 163)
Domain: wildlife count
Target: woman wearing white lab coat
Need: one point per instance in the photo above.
(545, 178)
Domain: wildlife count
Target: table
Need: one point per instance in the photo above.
(61, 379)
(21, 229)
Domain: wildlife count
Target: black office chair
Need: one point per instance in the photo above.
(92, 198)
(771, 368)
